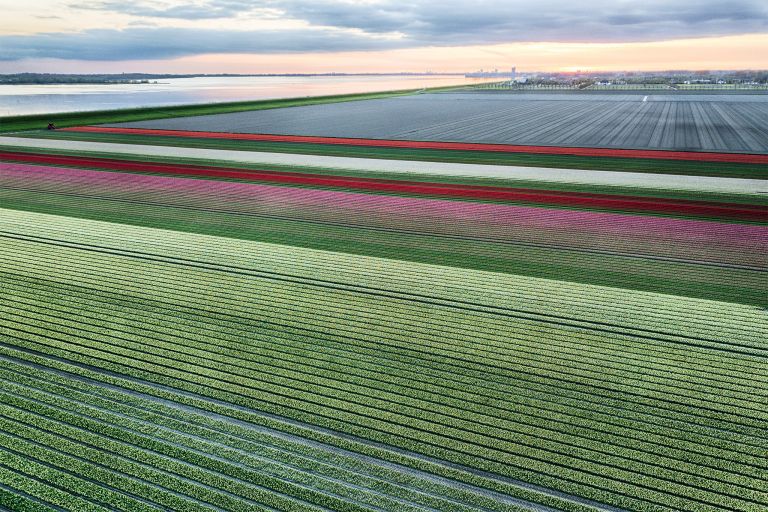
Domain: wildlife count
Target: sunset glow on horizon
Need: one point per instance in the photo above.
(379, 36)
(721, 53)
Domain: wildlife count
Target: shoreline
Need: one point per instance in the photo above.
(79, 118)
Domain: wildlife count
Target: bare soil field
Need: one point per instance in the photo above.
(706, 122)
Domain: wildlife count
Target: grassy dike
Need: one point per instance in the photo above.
(68, 119)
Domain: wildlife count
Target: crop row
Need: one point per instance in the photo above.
(638, 487)
(602, 355)
(224, 259)
(17, 500)
(558, 116)
(389, 240)
(679, 278)
(245, 444)
(149, 445)
(610, 324)
(450, 365)
(561, 262)
(706, 321)
(106, 476)
(643, 204)
(351, 387)
(346, 415)
(564, 262)
(625, 233)
(214, 278)
(180, 446)
(495, 346)
(578, 389)
(397, 358)
(483, 326)
(270, 360)
(255, 197)
(677, 167)
(254, 417)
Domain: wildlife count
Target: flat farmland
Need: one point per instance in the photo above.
(222, 322)
(706, 122)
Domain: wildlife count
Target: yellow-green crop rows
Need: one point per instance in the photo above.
(147, 368)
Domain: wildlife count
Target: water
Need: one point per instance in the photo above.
(39, 99)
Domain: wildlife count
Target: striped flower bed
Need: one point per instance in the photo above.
(681, 238)
(688, 257)
(486, 193)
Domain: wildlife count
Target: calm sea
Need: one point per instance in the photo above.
(38, 99)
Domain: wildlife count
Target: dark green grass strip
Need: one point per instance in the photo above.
(731, 170)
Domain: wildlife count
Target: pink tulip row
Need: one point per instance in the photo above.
(615, 231)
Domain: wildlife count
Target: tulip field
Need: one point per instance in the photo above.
(228, 335)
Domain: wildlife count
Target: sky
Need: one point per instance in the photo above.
(315, 36)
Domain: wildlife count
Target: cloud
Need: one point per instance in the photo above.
(144, 43)
(485, 21)
(212, 9)
(442, 22)
(348, 25)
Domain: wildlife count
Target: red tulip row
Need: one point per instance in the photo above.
(456, 191)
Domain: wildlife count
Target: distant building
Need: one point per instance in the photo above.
(495, 73)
